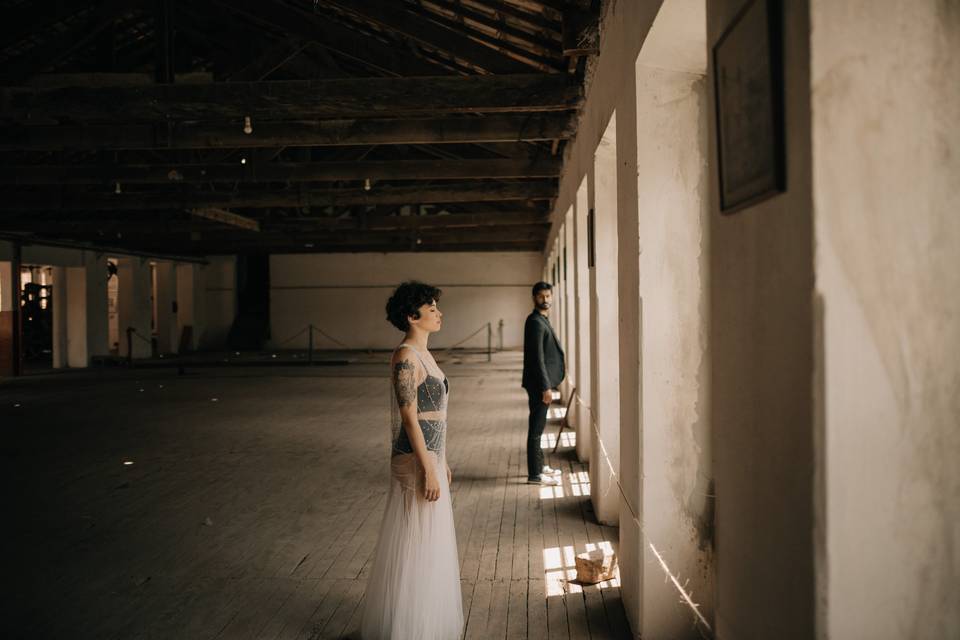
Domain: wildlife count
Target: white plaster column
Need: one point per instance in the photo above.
(629, 313)
(59, 302)
(570, 305)
(98, 329)
(78, 353)
(7, 295)
(189, 303)
(559, 314)
(6, 317)
(134, 305)
(671, 189)
(582, 315)
(167, 334)
(605, 364)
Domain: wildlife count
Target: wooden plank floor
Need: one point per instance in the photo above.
(253, 501)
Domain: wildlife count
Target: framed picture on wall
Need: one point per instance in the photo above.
(748, 76)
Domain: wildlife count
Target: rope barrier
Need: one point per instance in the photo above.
(137, 333)
(293, 337)
(685, 597)
(455, 345)
(328, 336)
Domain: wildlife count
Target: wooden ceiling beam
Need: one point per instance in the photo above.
(251, 172)
(308, 99)
(540, 58)
(333, 35)
(174, 223)
(191, 135)
(552, 28)
(29, 18)
(65, 43)
(393, 16)
(533, 39)
(55, 200)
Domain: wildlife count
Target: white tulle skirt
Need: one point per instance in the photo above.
(413, 592)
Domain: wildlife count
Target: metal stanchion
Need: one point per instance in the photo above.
(130, 347)
(489, 342)
(310, 346)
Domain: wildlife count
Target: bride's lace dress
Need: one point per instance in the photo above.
(413, 592)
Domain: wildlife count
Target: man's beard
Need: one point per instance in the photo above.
(543, 306)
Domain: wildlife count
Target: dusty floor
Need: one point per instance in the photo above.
(251, 506)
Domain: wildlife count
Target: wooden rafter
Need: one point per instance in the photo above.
(333, 35)
(280, 172)
(490, 129)
(79, 35)
(51, 200)
(347, 98)
(226, 217)
(392, 16)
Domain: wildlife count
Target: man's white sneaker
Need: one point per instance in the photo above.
(550, 471)
(545, 480)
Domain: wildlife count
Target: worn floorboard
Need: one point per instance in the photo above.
(253, 502)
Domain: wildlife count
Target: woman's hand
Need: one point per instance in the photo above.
(449, 476)
(431, 486)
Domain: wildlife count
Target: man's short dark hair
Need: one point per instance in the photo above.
(541, 286)
(407, 300)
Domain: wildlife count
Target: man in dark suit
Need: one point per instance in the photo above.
(543, 369)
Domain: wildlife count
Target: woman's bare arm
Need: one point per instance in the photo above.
(405, 386)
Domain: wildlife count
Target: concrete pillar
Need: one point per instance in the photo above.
(7, 323)
(98, 332)
(676, 480)
(134, 305)
(761, 282)
(7, 295)
(582, 316)
(78, 351)
(570, 304)
(629, 314)
(59, 302)
(190, 303)
(167, 331)
(604, 328)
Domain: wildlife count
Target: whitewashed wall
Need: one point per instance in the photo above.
(345, 295)
(886, 107)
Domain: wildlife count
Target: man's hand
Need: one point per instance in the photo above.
(547, 397)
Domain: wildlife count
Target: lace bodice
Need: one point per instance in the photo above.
(432, 395)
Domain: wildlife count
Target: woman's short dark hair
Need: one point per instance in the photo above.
(407, 300)
(541, 286)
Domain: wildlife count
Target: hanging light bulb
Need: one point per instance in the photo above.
(243, 161)
(366, 184)
(116, 188)
(247, 125)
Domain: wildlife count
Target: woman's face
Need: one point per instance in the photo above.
(430, 317)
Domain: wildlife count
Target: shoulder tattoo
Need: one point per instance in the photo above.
(404, 383)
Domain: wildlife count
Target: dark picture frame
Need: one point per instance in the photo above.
(749, 86)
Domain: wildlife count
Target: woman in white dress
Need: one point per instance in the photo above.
(413, 592)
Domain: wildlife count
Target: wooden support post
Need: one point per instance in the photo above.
(17, 342)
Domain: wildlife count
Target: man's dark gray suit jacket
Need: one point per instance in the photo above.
(543, 360)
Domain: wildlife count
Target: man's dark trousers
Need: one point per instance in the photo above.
(538, 420)
(543, 369)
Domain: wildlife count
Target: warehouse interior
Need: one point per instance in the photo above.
(206, 206)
